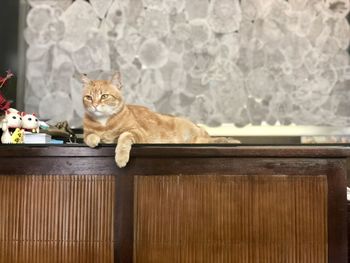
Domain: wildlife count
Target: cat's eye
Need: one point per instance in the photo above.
(88, 97)
(104, 96)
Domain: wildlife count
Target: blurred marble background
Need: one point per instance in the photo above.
(216, 61)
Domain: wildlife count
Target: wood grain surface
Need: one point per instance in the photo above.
(56, 218)
(231, 219)
(185, 203)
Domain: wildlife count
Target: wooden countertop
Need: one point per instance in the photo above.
(183, 150)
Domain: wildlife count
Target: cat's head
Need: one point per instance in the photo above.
(102, 98)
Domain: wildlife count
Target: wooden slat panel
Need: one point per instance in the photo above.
(231, 219)
(57, 218)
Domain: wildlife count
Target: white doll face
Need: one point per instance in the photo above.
(14, 120)
(29, 121)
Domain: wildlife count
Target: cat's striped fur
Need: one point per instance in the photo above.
(109, 119)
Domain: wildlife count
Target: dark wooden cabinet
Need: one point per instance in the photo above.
(173, 203)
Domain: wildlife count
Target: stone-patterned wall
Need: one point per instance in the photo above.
(215, 61)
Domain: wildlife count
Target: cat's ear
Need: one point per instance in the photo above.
(116, 80)
(85, 80)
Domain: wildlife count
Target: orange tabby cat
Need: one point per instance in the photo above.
(109, 120)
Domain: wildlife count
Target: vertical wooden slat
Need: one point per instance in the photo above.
(124, 220)
(57, 218)
(231, 219)
(337, 209)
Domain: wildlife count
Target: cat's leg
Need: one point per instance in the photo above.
(122, 151)
(92, 140)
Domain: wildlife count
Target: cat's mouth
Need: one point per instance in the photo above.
(95, 112)
(93, 109)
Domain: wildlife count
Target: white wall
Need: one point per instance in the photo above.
(218, 61)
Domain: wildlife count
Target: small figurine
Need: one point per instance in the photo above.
(6, 135)
(30, 123)
(12, 123)
(13, 110)
(17, 136)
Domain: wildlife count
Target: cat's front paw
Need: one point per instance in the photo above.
(122, 154)
(92, 140)
(121, 160)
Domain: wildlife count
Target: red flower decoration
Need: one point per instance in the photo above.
(4, 104)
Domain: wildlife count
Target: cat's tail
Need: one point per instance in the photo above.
(222, 139)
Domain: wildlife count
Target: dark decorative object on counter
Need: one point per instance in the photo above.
(61, 131)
